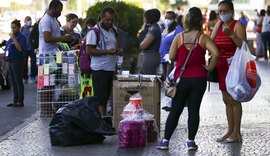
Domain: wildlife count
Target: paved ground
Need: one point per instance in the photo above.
(32, 137)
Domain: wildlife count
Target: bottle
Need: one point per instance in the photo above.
(41, 59)
(119, 61)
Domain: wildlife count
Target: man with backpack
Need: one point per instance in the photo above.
(103, 48)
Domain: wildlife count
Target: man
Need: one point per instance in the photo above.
(29, 52)
(104, 54)
(49, 29)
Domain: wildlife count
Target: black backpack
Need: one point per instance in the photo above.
(34, 36)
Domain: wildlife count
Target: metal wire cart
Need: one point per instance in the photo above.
(58, 81)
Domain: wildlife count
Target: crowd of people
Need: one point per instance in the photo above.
(219, 34)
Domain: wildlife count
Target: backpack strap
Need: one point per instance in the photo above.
(96, 30)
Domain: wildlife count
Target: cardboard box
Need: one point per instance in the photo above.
(123, 88)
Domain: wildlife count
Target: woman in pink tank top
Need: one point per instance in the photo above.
(228, 34)
(191, 88)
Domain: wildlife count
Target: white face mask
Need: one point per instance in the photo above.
(28, 23)
(89, 27)
(168, 22)
(226, 17)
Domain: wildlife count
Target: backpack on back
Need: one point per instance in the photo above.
(34, 36)
(84, 59)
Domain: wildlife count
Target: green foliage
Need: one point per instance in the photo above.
(129, 15)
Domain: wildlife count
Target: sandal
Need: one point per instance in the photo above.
(229, 140)
(220, 139)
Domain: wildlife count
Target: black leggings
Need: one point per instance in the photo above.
(191, 89)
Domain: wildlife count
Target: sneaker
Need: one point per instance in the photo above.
(192, 146)
(163, 145)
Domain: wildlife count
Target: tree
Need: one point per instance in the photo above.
(129, 16)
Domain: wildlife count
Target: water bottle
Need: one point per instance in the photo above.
(71, 59)
(41, 60)
(119, 61)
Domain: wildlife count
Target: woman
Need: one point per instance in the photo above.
(151, 43)
(260, 51)
(266, 33)
(193, 81)
(213, 18)
(229, 34)
(166, 41)
(68, 28)
(14, 52)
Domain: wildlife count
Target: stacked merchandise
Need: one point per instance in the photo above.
(137, 126)
(58, 81)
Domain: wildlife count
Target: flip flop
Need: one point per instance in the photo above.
(229, 140)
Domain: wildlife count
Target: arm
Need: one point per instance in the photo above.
(238, 35)
(50, 39)
(17, 43)
(211, 47)
(92, 51)
(147, 41)
(174, 47)
(215, 29)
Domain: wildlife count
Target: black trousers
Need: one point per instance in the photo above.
(16, 67)
(191, 89)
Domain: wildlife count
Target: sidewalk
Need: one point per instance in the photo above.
(32, 138)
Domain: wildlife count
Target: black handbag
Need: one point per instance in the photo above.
(213, 75)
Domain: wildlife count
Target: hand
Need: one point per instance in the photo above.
(120, 51)
(227, 30)
(11, 34)
(68, 37)
(112, 51)
(209, 68)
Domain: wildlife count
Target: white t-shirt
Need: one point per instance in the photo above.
(48, 24)
(266, 24)
(107, 41)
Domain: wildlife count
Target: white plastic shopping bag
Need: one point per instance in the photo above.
(242, 80)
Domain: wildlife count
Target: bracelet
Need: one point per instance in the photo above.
(233, 36)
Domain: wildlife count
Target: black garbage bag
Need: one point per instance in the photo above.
(79, 122)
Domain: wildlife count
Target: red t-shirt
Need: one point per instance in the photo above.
(194, 67)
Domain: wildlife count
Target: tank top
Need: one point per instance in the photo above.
(225, 44)
(194, 67)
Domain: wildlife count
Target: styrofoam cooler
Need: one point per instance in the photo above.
(132, 133)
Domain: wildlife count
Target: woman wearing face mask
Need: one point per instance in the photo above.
(228, 34)
(69, 28)
(89, 24)
(14, 53)
(166, 40)
(150, 43)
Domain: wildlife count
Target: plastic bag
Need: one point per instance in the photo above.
(78, 123)
(242, 80)
(134, 107)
